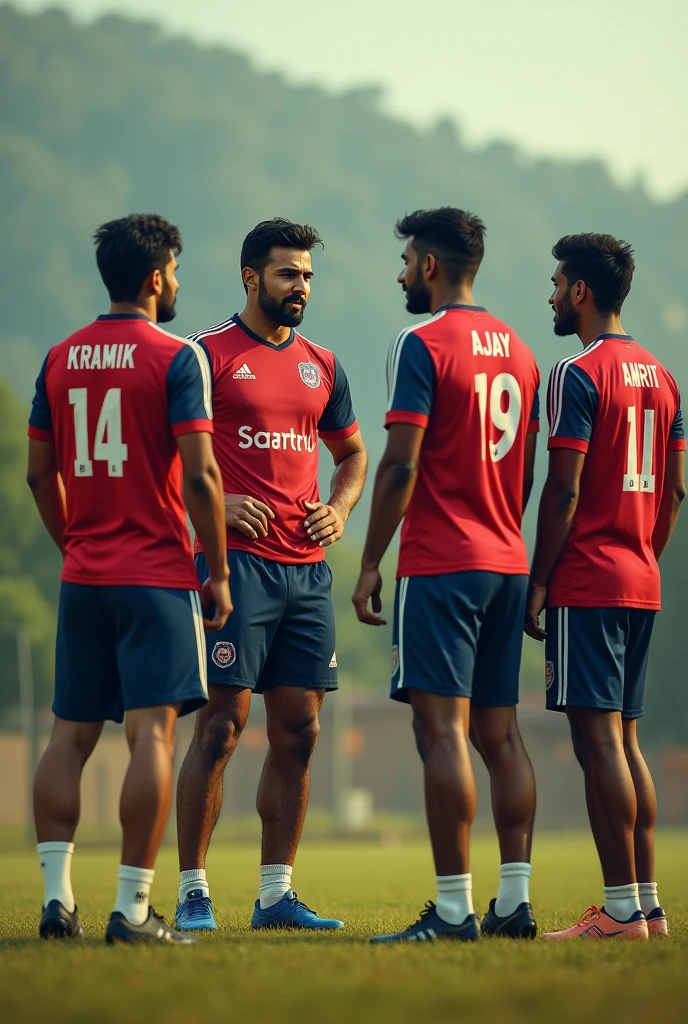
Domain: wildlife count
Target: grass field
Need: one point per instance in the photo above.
(339, 978)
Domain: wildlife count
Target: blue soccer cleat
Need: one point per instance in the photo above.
(195, 914)
(429, 927)
(290, 912)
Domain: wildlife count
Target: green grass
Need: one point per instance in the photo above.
(236, 975)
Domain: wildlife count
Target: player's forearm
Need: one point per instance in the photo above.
(347, 483)
(48, 493)
(555, 518)
(394, 484)
(666, 521)
(205, 504)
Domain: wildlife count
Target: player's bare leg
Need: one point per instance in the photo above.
(497, 738)
(199, 790)
(441, 728)
(56, 788)
(609, 790)
(292, 727)
(644, 835)
(147, 790)
(512, 783)
(56, 801)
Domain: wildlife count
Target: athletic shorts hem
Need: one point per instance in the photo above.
(494, 704)
(311, 684)
(188, 703)
(597, 705)
(86, 718)
(241, 684)
(401, 692)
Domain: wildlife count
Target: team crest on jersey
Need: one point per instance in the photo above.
(549, 674)
(224, 654)
(309, 374)
(395, 659)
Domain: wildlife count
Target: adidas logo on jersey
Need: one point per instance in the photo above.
(243, 373)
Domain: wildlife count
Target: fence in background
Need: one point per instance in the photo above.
(365, 771)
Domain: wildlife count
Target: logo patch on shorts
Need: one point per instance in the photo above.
(333, 660)
(549, 674)
(395, 659)
(224, 654)
(309, 374)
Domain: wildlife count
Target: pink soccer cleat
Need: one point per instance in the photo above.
(597, 924)
(657, 922)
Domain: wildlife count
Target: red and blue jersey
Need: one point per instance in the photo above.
(271, 404)
(113, 398)
(472, 384)
(616, 403)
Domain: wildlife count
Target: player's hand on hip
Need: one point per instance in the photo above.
(368, 589)
(325, 524)
(215, 595)
(537, 598)
(248, 515)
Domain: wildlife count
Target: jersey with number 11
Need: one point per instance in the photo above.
(113, 398)
(616, 403)
(472, 384)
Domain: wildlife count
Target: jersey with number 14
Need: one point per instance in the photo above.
(616, 403)
(472, 384)
(113, 398)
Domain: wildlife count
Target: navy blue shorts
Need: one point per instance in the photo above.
(459, 634)
(281, 632)
(597, 658)
(121, 648)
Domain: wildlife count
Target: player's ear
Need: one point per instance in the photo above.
(154, 283)
(250, 278)
(430, 266)
(579, 293)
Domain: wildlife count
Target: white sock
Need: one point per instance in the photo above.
(648, 897)
(56, 865)
(132, 893)
(454, 897)
(190, 880)
(514, 882)
(621, 901)
(275, 880)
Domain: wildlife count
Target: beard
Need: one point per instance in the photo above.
(417, 297)
(166, 305)
(278, 310)
(565, 319)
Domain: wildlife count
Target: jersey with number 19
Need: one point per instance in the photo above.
(615, 402)
(470, 381)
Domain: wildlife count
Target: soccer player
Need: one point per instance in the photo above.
(275, 393)
(458, 468)
(607, 512)
(121, 418)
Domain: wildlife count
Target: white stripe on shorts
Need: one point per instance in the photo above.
(403, 587)
(197, 612)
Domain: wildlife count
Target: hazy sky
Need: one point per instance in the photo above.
(592, 78)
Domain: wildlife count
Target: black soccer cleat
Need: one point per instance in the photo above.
(519, 925)
(430, 927)
(153, 929)
(58, 923)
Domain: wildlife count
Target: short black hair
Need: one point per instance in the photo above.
(605, 263)
(455, 237)
(131, 248)
(259, 242)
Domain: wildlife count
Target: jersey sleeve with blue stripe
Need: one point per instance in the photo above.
(676, 434)
(411, 381)
(189, 391)
(535, 414)
(40, 419)
(572, 401)
(338, 419)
